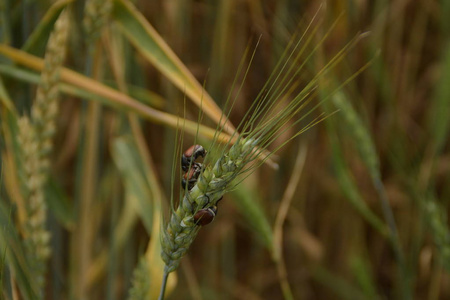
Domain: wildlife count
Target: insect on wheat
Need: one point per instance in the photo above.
(280, 106)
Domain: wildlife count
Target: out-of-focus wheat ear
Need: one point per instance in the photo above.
(45, 107)
(96, 15)
(35, 141)
(36, 237)
(437, 220)
(140, 286)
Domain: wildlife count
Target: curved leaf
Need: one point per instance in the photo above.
(153, 47)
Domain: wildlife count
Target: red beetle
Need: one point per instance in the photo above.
(205, 216)
(190, 177)
(190, 155)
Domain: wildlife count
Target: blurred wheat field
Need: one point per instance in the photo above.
(92, 93)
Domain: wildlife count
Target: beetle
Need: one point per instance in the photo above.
(189, 178)
(205, 216)
(190, 155)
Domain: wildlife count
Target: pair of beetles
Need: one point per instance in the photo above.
(192, 171)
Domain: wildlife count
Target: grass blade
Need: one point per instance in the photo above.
(116, 98)
(439, 122)
(36, 42)
(5, 100)
(127, 161)
(153, 47)
(252, 211)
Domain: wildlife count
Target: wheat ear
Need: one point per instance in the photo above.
(211, 185)
(140, 286)
(45, 108)
(35, 141)
(96, 14)
(276, 110)
(36, 237)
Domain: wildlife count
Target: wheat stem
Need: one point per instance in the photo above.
(163, 286)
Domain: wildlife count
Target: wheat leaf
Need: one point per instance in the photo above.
(38, 39)
(127, 161)
(114, 97)
(153, 47)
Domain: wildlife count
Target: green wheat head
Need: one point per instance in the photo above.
(212, 184)
(280, 106)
